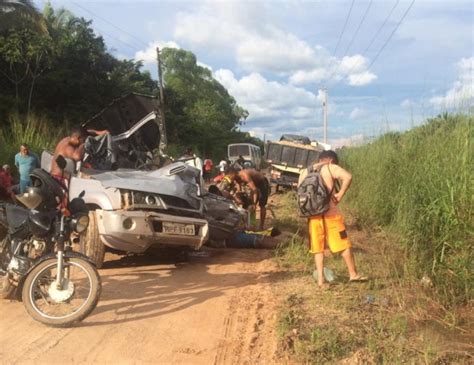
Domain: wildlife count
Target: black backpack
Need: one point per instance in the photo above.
(313, 196)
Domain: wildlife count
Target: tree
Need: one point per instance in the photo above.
(200, 111)
(27, 54)
(15, 13)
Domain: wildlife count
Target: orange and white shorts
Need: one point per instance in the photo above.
(327, 231)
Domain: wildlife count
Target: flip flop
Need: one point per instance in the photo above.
(359, 279)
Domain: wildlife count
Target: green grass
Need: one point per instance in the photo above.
(419, 185)
(287, 217)
(38, 133)
(410, 215)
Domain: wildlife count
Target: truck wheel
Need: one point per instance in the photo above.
(91, 244)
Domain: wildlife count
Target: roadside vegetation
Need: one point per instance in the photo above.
(55, 72)
(419, 186)
(38, 133)
(409, 215)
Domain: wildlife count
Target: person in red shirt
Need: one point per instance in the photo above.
(6, 183)
(208, 166)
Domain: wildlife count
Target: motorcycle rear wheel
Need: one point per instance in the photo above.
(54, 307)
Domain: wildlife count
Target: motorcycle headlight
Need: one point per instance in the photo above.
(81, 223)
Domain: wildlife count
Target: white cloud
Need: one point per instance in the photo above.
(148, 56)
(357, 113)
(276, 51)
(360, 79)
(302, 77)
(263, 98)
(352, 69)
(237, 30)
(461, 93)
(274, 108)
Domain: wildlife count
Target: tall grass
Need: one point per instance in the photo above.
(39, 133)
(419, 184)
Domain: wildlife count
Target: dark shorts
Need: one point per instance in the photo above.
(264, 192)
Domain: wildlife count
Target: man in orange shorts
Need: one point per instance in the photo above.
(328, 230)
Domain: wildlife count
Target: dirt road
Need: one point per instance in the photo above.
(210, 310)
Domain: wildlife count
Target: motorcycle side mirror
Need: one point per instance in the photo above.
(81, 195)
(61, 161)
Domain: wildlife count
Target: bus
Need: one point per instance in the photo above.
(250, 153)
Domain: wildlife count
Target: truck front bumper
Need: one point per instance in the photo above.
(285, 181)
(136, 231)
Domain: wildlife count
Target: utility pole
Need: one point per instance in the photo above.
(162, 126)
(160, 77)
(325, 114)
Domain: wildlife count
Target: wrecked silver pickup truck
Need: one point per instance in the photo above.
(133, 210)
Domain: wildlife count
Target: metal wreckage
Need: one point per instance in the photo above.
(138, 198)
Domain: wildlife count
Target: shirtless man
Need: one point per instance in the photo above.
(259, 187)
(72, 147)
(329, 228)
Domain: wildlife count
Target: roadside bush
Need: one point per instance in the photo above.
(39, 133)
(419, 184)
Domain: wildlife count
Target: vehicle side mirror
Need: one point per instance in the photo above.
(61, 161)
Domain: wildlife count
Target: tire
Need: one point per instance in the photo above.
(84, 310)
(91, 244)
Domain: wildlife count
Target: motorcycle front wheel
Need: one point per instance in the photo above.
(61, 305)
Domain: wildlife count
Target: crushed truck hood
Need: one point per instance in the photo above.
(178, 180)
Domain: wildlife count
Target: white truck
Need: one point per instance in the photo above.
(133, 209)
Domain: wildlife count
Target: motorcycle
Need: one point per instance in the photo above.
(58, 286)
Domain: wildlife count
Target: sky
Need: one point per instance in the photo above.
(386, 65)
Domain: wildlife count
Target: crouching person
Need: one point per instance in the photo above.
(328, 230)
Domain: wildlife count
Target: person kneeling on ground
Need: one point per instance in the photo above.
(329, 228)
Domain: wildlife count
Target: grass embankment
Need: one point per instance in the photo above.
(410, 218)
(419, 185)
(37, 132)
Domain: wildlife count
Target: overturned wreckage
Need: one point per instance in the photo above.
(133, 210)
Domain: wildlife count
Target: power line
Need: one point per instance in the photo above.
(351, 41)
(387, 40)
(358, 28)
(110, 23)
(343, 28)
(377, 33)
(118, 39)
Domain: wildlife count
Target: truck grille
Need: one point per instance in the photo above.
(175, 202)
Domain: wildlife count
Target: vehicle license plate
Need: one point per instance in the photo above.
(178, 228)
